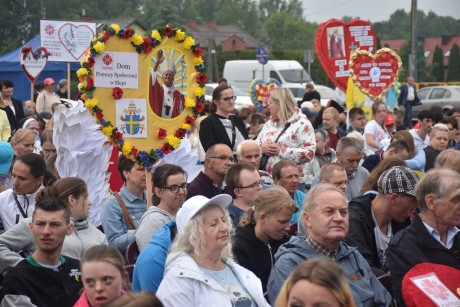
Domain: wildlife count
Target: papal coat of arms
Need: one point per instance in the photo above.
(132, 120)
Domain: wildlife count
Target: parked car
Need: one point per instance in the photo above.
(446, 97)
(242, 98)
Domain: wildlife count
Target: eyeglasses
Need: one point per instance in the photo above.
(254, 185)
(175, 188)
(223, 158)
(228, 99)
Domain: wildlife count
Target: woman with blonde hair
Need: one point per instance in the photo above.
(200, 270)
(316, 282)
(375, 130)
(449, 158)
(262, 230)
(288, 135)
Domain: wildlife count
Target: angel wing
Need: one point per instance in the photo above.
(82, 151)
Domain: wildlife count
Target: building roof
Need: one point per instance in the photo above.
(219, 33)
(429, 44)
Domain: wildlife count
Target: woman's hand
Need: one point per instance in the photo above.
(270, 149)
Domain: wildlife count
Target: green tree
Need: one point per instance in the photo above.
(453, 70)
(437, 66)
(287, 32)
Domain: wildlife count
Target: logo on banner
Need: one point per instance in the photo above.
(49, 29)
(132, 120)
(107, 60)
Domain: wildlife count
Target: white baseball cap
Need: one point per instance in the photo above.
(195, 204)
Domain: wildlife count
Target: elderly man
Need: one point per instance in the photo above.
(349, 153)
(433, 235)
(286, 174)
(243, 185)
(374, 219)
(209, 182)
(249, 151)
(325, 214)
(164, 99)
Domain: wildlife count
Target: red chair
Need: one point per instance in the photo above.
(132, 252)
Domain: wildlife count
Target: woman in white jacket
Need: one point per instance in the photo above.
(200, 270)
(18, 239)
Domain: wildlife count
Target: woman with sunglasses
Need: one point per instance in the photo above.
(170, 192)
(221, 127)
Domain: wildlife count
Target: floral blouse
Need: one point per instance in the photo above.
(297, 142)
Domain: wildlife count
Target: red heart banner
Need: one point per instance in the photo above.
(334, 42)
(33, 62)
(375, 74)
(260, 92)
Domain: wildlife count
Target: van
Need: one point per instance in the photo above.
(290, 74)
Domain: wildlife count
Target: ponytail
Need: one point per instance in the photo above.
(249, 218)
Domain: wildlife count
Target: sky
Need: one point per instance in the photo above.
(374, 10)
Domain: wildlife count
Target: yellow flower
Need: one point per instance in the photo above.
(99, 47)
(115, 27)
(94, 39)
(85, 60)
(108, 131)
(156, 35)
(180, 35)
(189, 42)
(199, 91)
(197, 61)
(173, 141)
(190, 103)
(137, 40)
(186, 126)
(80, 86)
(82, 72)
(126, 149)
(91, 103)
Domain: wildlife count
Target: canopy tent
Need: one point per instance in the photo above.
(10, 68)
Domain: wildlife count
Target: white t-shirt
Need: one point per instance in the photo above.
(381, 241)
(418, 142)
(377, 132)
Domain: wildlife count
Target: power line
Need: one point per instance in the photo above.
(329, 8)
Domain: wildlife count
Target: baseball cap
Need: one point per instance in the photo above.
(48, 81)
(195, 204)
(6, 157)
(389, 120)
(398, 179)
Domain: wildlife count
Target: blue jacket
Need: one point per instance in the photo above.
(150, 265)
(113, 222)
(299, 196)
(367, 291)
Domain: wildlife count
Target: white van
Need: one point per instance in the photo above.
(290, 74)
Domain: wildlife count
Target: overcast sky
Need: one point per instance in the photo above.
(374, 10)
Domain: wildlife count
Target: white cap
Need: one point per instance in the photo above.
(197, 203)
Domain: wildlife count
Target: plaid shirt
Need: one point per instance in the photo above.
(323, 251)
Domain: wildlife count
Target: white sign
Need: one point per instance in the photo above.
(66, 41)
(435, 290)
(113, 69)
(132, 117)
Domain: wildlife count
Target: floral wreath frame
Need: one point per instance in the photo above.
(142, 45)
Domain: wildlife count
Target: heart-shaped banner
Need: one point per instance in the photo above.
(33, 62)
(75, 38)
(260, 92)
(375, 73)
(334, 42)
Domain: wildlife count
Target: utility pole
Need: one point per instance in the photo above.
(413, 55)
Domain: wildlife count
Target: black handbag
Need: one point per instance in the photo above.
(264, 159)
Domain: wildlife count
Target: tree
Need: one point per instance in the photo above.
(437, 66)
(453, 70)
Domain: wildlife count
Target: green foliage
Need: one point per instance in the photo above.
(437, 67)
(453, 71)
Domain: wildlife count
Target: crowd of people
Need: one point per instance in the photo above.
(292, 208)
